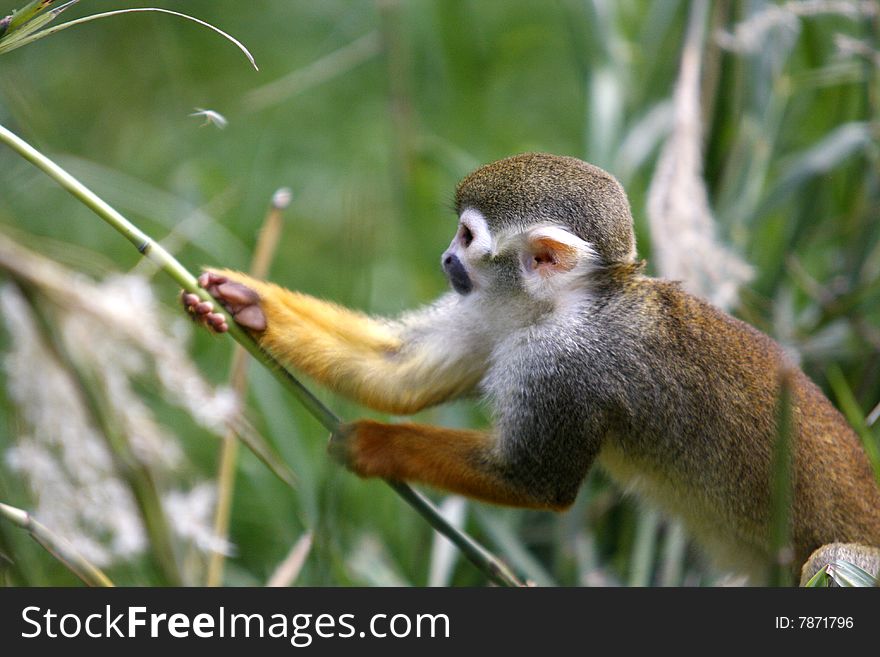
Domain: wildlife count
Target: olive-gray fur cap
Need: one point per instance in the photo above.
(538, 187)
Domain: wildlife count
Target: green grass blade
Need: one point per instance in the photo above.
(12, 39)
(848, 574)
(52, 30)
(820, 580)
(850, 407)
(823, 156)
(15, 31)
(508, 541)
(644, 548)
(21, 17)
(57, 546)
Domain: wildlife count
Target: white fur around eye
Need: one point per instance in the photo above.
(476, 223)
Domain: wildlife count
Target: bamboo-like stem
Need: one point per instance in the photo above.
(264, 253)
(55, 545)
(491, 565)
(167, 263)
(479, 556)
(289, 569)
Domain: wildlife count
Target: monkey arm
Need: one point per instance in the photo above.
(458, 461)
(471, 463)
(396, 367)
(534, 458)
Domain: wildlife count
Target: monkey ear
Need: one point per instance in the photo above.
(551, 250)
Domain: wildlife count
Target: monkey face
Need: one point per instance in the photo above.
(540, 260)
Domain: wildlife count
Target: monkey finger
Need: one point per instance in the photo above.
(209, 278)
(217, 322)
(189, 300)
(195, 306)
(203, 308)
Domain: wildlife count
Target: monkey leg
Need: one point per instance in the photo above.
(459, 461)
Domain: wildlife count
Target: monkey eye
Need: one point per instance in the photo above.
(466, 236)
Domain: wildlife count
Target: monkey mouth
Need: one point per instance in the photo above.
(461, 286)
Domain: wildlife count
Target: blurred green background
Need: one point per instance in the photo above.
(370, 112)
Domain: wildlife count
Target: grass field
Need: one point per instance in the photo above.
(370, 112)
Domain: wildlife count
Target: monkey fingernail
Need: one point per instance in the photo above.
(189, 300)
(210, 278)
(217, 322)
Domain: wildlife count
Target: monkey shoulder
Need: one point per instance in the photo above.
(641, 347)
(664, 322)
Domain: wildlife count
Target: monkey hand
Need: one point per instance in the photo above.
(358, 446)
(240, 301)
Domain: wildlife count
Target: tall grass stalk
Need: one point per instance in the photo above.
(18, 34)
(288, 570)
(55, 545)
(264, 253)
(850, 407)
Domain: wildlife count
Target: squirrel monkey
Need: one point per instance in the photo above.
(583, 359)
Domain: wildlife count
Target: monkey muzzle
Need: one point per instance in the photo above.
(457, 274)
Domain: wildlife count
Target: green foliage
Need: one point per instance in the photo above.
(841, 573)
(372, 142)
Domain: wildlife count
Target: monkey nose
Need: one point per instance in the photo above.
(457, 274)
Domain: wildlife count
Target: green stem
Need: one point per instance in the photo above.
(491, 565)
(481, 558)
(56, 546)
(34, 35)
(264, 253)
(166, 262)
(849, 405)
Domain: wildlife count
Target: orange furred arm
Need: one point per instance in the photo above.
(463, 462)
(374, 361)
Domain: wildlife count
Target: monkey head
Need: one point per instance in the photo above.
(536, 223)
